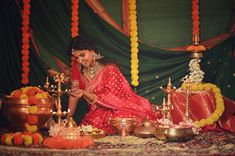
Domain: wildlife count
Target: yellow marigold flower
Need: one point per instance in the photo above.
(28, 140)
(215, 116)
(31, 128)
(134, 39)
(23, 96)
(209, 121)
(32, 109)
(134, 55)
(135, 77)
(133, 27)
(135, 83)
(134, 44)
(135, 62)
(39, 96)
(132, 6)
(216, 90)
(24, 90)
(9, 140)
(134, 72)
(133, 33)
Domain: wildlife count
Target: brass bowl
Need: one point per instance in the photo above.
(174, 134)
(146, 130)
(124, 125)
(16, 111)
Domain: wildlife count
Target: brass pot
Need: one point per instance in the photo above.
(16, 111)
(174, 134)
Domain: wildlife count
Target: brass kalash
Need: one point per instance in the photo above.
(166, 130)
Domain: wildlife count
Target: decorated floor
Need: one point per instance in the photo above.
(206, 143)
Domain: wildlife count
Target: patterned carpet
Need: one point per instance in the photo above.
(207, 143)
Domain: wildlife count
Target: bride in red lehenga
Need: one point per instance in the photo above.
(105, 89)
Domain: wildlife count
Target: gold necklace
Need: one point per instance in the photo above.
(91, 72)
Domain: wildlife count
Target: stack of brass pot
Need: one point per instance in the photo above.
(16, 111)
(146, 130)
(174, 134)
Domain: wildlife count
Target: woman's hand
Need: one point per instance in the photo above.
(77, 93)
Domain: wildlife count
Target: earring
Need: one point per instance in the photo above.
(97, 56)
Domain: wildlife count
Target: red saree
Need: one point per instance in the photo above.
(114, 98)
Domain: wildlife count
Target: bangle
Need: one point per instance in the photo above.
(94, 100)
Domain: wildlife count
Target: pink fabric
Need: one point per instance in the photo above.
(115, 98)
(202, 105)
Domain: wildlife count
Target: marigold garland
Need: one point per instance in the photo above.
(74, 18)
(134, 43)
(19, 138)
(25, 42)
(218, 99)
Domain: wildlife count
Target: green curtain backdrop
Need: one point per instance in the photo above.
(50, 22)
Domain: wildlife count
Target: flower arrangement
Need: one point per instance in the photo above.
(218, 99)
(58, 142)
(20, 138)
(134, 43)
(30, 92)
(31, 135)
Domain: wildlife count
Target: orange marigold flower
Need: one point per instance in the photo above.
(32, 92)
(32, 100)
(3, 137)
(18, 139)
(25, 81)
(32, 119)
(37, 138)
(16, 94)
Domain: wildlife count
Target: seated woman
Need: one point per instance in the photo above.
(105, 89)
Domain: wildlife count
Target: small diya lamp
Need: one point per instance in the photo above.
(124, 125)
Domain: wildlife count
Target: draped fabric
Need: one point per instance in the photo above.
(114, 99)
(201, 106)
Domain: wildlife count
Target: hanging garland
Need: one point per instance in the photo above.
(25, 42)
(196, 47)
(74, 23)
(134, 43)
(218, 99)
(74, 18)
(195, 17)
